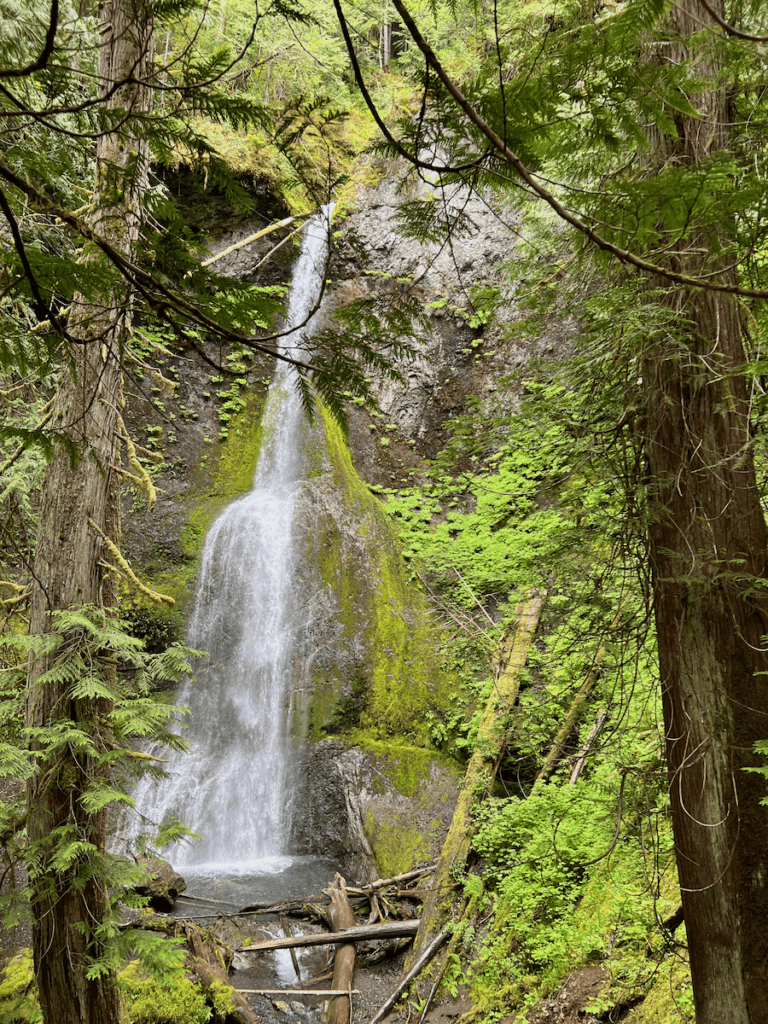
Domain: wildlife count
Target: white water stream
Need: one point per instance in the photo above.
(233, 789)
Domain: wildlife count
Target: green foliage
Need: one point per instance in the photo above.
(577, 875)
(102, 667)
(180, 1001)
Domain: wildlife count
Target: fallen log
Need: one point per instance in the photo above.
(288, 933)
(365, 932)
(208, 961)
(297, 992)
(481, 771)
(208, 958)
(342, 918)
(252, 238)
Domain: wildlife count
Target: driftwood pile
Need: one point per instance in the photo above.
(336, 908)
(392, 914)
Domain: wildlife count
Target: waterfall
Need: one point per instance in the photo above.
(233, 787)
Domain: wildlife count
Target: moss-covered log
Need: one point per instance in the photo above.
(480, 773)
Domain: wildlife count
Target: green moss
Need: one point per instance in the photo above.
(405, 766)
(669, 1000)
(318, 717)
(232, 475)
(396, 847)
(403, 679)
(240, 452)
(181, 1002)
(221, 997)
(18, 995)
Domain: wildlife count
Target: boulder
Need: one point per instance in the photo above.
(161, 883)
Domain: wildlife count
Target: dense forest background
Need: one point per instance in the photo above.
(621, 146)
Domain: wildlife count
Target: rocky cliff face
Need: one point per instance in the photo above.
(463, 350)
(365, 678)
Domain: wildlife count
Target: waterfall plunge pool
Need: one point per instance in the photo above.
(256, 883)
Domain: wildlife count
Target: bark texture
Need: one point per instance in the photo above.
(342, 916)
(69, 903)
(708, 550)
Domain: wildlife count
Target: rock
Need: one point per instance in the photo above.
(376, 812)
(162, 883)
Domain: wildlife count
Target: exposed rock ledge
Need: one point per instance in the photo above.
(377, 811)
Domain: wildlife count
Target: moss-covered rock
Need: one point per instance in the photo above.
(18, 992)
(365, 657)
(377, 808)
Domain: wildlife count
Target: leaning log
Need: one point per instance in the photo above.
(206, 959)
(342, 918)
(387, 930)
(481, 772)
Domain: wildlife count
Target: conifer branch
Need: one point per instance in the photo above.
(48, 411)
(524, 172)
(729, 29)
(45, 54)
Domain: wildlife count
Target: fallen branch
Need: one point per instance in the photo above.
(419, 966)
(206, 899)
(279, 245)
(252, 238)
(577, 708)
(383, 883)
(388, 930)
(342, 918)
(297, 991)
(581, 760)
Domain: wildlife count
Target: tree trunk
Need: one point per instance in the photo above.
(708, 553)
(69, 903)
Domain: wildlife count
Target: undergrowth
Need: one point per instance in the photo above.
(573, 851)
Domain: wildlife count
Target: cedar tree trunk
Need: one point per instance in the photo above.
(708, 551)
(69, 903)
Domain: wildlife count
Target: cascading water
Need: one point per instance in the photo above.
(232, 788)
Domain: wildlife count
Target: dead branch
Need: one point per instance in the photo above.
(419, 966)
